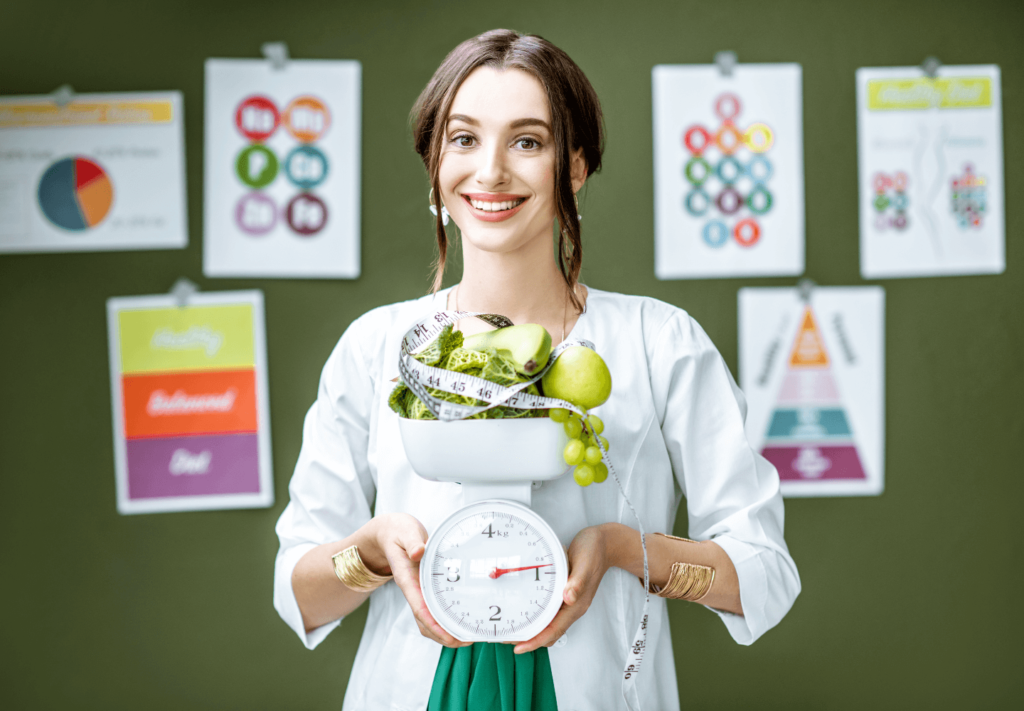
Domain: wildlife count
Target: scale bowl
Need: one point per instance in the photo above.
(519, 450)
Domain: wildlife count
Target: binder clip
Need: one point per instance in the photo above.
(804, 287)
(930, 67)
(183, 291)
(62, 95)
(726, 62)
(276, 53)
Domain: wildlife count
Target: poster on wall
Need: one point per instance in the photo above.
(281, 193)
(101, 172)
(189, 397)
(728, 171)
(930, 154)
(813, 369)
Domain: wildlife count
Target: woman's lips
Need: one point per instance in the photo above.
(517, 201)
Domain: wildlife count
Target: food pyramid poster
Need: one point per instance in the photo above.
(812, 369)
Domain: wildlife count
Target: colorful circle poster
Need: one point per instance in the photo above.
(190, 403)
(282, 169)
(728, 171)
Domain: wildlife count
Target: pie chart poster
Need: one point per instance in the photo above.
(814, 375)
(728, 171)
(281, 193)
(104, 172)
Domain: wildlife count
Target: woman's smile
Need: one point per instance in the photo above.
(493, 207)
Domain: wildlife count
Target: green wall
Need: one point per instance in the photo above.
(910, 599)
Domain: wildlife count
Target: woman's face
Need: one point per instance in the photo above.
(497, 171)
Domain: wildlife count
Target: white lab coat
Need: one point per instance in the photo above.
(675, 427)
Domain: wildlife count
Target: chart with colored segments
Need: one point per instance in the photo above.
(104, 172)
(812, 371)
(189, 395)
(728, 171)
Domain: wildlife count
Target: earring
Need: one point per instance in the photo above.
(576, 202)
(433, 209)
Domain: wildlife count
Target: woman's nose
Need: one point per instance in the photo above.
(493, 169)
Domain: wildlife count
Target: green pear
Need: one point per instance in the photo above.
(580, 376)
(529, 345)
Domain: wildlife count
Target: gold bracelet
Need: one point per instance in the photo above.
(686, 581)
(353, 573)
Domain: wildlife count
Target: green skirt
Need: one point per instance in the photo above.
(490, 677)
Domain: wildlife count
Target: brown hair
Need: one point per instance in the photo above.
(575, 118)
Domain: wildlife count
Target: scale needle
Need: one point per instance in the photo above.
(498, 572)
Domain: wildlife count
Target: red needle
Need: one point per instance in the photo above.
(497, 572)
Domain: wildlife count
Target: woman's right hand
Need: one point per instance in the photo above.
(402, 539)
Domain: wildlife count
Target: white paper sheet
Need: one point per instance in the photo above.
(190, 402)
(282, 169)
(728, 171)
(931, 171)
(814, 376)
(104, 172)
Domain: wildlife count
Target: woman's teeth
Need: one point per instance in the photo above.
(491, 206)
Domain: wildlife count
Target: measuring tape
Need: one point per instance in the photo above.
(418, 377)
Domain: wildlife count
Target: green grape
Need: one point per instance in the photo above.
(600, 472)
(558, 414)
(604, 442)
(592, 455)
(573, 453)
(584, 475)
(595, 424)
(573, 428)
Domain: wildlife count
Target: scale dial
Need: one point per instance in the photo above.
(493, 571)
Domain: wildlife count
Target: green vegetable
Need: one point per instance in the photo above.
(446, 352)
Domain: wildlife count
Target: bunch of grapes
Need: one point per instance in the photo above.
(582, 451)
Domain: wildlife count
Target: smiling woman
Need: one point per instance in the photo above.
(549, 132)
(509, 130)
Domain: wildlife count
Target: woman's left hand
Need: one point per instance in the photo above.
(588, 562)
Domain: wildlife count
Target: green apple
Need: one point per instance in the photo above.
(579, 376)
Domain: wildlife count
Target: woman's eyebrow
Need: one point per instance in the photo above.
(464, 119)
(519, 123)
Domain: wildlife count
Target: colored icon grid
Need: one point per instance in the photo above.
(728, 173)
(306, 119)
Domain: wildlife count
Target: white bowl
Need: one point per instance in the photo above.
(518, 450)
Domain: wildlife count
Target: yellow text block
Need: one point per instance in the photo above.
(194, 338)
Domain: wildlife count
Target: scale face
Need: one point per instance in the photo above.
(493, 571)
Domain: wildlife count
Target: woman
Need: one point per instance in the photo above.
(509, 129)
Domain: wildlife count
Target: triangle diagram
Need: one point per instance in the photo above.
(809, 435)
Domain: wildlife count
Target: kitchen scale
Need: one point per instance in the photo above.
(493, 571)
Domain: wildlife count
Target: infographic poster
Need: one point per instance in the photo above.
(189, 396)
(813, 371)
(282, 169)
(728, 171)
(103, 172)
(930, 153)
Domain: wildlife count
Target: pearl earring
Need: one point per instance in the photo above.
(433, 209)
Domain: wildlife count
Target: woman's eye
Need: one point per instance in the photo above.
(527, 143)
(463, 141)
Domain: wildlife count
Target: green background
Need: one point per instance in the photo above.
(910, 599)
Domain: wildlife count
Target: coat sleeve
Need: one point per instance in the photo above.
(732, 492)
(333, 487)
